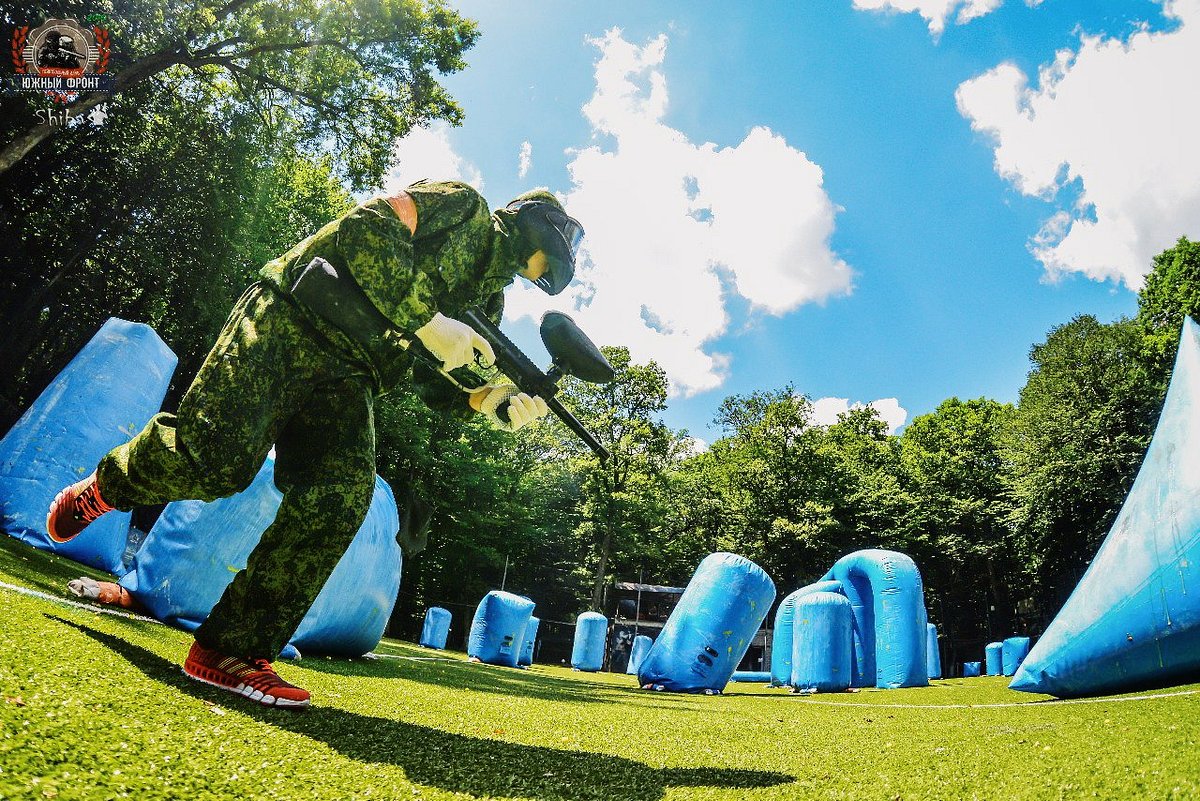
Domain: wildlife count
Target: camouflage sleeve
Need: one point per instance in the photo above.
(377, 248)
(444, 205)
(371, 244)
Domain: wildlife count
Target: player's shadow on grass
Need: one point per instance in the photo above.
(455, 674)
(450, 761)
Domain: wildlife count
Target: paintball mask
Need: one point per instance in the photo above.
(547, 228)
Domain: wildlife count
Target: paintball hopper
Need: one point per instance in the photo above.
(572, 352)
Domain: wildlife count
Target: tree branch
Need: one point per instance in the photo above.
(230, 7)
(314, 102)
(155, 63)
(212, 49)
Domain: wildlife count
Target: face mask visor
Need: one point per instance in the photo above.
(555, 234)
(557, 276)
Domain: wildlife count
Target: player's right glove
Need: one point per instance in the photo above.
(454, 343)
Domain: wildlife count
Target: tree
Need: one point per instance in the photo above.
(869, 501)
(222, 149)
(776, 481)
(957, 473)
(463, 469)
(799, 495)
(622, 498)
(1082, 426)
(351, 76)
(1172, 290)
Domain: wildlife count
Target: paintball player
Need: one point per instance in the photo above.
(59, 51)
(368, 301)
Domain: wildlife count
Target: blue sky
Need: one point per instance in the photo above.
(870, 199)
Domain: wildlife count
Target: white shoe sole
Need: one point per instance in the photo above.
(249, 692)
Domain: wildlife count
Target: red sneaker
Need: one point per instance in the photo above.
(253, 678)
(74, 508)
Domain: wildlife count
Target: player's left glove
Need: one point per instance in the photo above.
(511, 409)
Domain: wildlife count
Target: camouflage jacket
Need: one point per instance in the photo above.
(458, 257)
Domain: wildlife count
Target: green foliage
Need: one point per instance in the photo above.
(958, 524)
(165, 220)
(459, 468)
(1084, 421)
(771, 470)
(622, 499)
(788, 494)
(346, 79)
(1172, 291)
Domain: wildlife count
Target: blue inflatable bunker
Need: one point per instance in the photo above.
(591, 633)
(196, 548)
(1134, 618)
(1013, 653)
(101, 398)
(781, 635)
(751, 676)
(822, 648)
(886, 593)
(933, 654)
(531, 629)
(498, 630)
(436, 630)
(637, 652)
(971, 669)
(994, 658)
(711, 627)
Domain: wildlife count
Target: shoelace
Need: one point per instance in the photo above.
(271, 677)
(89, 506)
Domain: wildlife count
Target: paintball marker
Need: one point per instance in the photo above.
(571, 352)
(338, 298)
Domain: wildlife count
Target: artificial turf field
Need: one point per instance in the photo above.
(94, 706)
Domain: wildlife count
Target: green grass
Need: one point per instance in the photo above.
(93, 706)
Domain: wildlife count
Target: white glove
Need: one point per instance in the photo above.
(523, 409)
(453, 342)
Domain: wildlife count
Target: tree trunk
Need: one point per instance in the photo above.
(598, 586)
(610, 488)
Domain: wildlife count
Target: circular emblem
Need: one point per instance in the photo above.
(61, 48)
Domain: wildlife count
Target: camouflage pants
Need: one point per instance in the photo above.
(268, 380)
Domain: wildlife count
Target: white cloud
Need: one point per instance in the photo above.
(524, 159)
(1115, 118)
(935, 12)
(826, 411)
(974, 9)
(674, 227)
(427, 153)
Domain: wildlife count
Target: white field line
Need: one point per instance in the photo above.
(376, 654)
(45, 596)
(1047, 702)
(130, 615)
